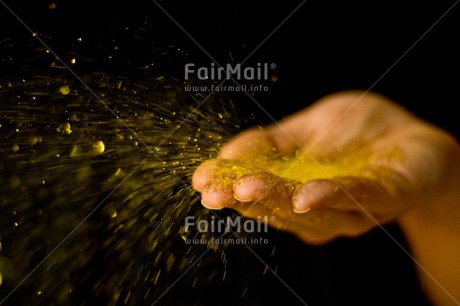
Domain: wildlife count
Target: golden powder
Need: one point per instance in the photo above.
(358, 160)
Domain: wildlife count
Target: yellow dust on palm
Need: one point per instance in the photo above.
(359, 161)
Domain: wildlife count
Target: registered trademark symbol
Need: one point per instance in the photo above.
(272, 65)
(273, 218)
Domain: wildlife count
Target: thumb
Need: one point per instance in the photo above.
(251, 143)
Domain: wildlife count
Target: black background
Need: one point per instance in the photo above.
(326, 46)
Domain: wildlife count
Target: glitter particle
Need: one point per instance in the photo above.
(64, 90)
(98, 147)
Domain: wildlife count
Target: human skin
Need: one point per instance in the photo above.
(419, 190)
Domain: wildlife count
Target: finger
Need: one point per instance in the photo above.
(215, 180)
(218, 170)
(323, 225)
(216, 195)
(219, 177)
(291, 133)
(253, 142)
(258, 211)
(304, 127)
(203, 174)
(336, 121)
(344, 193)
(257, 186)
(269, 190)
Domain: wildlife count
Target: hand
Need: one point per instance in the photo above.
(337, 168)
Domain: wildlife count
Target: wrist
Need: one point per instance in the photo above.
(433, 233)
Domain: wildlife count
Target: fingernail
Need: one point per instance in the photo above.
(297, 207)
(301, 211)
(202, 203)
(241, 200)
(208, 207)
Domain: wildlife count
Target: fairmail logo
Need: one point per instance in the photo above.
(215, 73)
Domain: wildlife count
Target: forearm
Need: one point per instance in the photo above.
(434, 239)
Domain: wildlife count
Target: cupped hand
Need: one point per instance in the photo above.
(338, 168)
